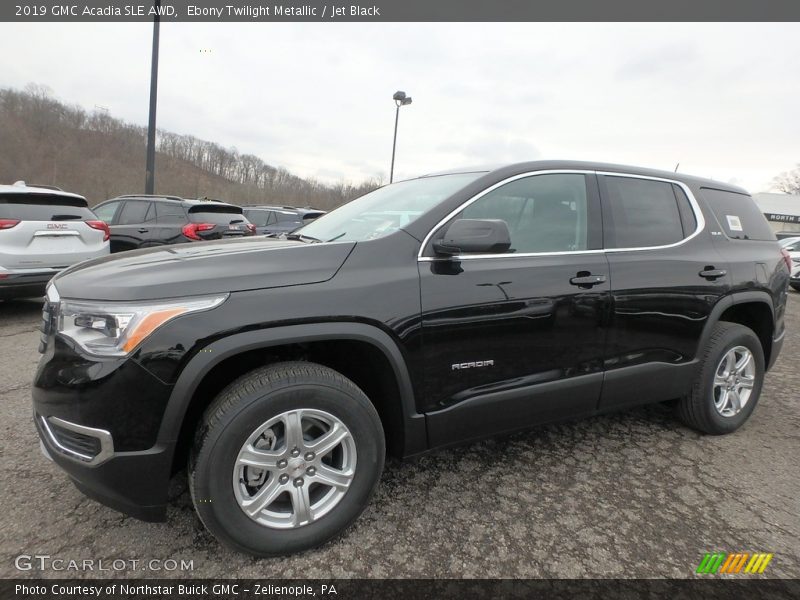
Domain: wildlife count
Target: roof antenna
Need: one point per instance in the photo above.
(676, 167)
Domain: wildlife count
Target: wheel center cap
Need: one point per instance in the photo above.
(296, 467)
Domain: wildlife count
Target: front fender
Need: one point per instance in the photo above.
(415, 436)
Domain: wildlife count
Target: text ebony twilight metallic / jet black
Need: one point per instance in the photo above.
(427, 313)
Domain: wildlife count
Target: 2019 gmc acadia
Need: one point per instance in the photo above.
(427, 313)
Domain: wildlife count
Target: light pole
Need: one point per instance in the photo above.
(150, 175)
(400, 99)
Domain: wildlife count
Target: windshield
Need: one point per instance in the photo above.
(385, 210)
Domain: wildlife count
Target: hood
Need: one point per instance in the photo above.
(202, 268)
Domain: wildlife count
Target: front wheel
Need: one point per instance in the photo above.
(728, 383)
(287, 457)
(795, 286)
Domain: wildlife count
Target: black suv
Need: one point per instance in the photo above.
(141, 221)
(275, 220)
(427, 313)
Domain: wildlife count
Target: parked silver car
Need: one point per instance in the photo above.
(43, 231)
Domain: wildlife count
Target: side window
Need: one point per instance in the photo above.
(133, 212)
(641, 213)
(544, 213)
(739, 216)
(106, 212)
(167, 212)
(688, 218)
(259, 218)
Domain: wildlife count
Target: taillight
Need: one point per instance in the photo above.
(251, 228)
(8, 223)
(101, 226)
(787, 258)
(190, 230)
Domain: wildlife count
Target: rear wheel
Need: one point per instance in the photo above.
(728, 383)
(795, 286)
(287, 457)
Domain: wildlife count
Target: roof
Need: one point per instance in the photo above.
(544, 165)
(782, 204)
(301, 209)
(24, 189)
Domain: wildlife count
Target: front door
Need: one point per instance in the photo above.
(517, 338)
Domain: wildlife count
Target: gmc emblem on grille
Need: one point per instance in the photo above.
(472, 365)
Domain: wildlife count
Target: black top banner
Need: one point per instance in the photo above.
(398, 10)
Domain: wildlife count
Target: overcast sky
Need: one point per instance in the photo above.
(721, 99)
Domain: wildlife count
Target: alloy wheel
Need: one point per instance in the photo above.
(733, 381)
(294, 469)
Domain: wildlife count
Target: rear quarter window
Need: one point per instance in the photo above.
(738, 215)
(44, 207)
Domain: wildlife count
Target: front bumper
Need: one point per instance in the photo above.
(134, 483)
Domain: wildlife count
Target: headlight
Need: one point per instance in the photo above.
(116, 328)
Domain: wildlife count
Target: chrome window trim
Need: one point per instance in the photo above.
(106, 441)
(698, 214)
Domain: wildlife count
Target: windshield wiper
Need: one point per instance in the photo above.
(302, 238)
(333, 239)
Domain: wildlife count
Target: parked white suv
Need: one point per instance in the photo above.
(43, 231)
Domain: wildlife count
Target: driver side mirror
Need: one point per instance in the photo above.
(490, 236)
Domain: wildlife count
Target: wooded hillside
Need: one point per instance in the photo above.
(98, 156)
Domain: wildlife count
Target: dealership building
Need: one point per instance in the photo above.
(782, 212)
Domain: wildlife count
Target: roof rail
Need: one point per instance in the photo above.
(162, 196)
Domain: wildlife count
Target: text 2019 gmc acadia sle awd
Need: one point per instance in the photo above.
(426, 313)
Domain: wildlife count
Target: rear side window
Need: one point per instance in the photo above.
(259, 218)
(641, 213)
(738, 214)
(107, 211)
(688, 218)
(43, 207)
(133, 212)
(169, 213)
(286, 217)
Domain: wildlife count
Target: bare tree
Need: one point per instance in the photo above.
(788, 181)
(97, 155)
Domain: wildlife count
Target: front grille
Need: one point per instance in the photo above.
(78, 443)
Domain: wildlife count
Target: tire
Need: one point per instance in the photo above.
(285, 394)
(699, 408)
(795, 286)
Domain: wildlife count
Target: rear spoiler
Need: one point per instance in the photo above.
(215, 207)
(36, 198)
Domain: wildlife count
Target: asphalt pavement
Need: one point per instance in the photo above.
(633, 494)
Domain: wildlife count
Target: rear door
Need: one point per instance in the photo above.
(666, 276)
(43, 231)
(262, 218)
(168, 226)
(132, 223)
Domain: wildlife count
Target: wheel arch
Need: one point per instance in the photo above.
(363, 353)
(753, 309)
